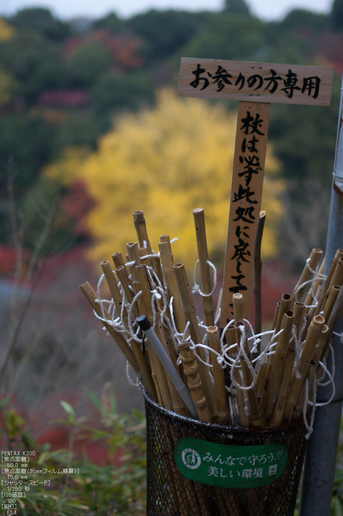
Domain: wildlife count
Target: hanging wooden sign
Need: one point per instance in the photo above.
(255, 86)
(255, 82)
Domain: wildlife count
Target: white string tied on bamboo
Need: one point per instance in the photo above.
(314, 404)
(298, 345)
(326, 371)
(317, 277)
(133, 333)
(242, 355)
(129, 379)
(196, 288)
(115, 320)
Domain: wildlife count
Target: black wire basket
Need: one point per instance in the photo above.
(196, 468)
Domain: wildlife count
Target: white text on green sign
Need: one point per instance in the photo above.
(228, 465)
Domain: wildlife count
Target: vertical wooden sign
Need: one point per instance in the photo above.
(256, 86)
(246, 195)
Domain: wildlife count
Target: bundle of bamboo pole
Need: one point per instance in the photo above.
(228, 379)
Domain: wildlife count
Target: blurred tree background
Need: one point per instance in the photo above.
(92, 130)
(65, 84)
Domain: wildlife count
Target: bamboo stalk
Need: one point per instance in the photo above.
(166, 238)
(190, 315)
(112, 285)
(312, 294)
(278, 363)
(157, 267)
(132, 249)
(300, 289)
(231, 341)
(141, 230)
(258, 274)
(286, 303)
(194, 383)
(167, 262)
(337, 277)
(330, 302)
(118, 259)
(206, 286)
(117, 336)
(238, 306)
(299, 314)
(324, 290)
(298, 378)
(218, 374)
(254, 412)
(276, 419)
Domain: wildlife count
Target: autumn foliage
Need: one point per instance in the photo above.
(167, 161)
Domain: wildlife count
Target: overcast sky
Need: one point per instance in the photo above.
(65, 9)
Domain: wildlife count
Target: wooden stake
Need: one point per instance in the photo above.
(307, 273)
(258, 275)
(194, 383)
(218, 374)
(141, 230)
(206, 285)
(298, 378)
(190, 315)
(117, 336)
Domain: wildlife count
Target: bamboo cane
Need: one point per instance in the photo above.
(318, 352)
(112, 285)
(117, 336)
(163, 381)
(278, 363)
(337, 277)
(166, 238)
(231, 341)
(300, 289)
(118, 259)
(299, 314)
(238, 306)
(330, 302)
(206, 286)
(141, 230)
(264, 372)
(177, 402)
(286, 303)
(276, 419)
(298, 378)
(258, 274)
(167, 262)
(312, 294)
(324, 290)
(190, 315)
(254, 412)
(309, 380)
(157, 267)
(218, 374)
(132, 250)
(194, 383)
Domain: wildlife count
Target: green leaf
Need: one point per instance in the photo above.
(94, 399)
(338, 508)
(69, 409)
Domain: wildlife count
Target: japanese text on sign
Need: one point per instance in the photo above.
(230, 466)
(260, 82)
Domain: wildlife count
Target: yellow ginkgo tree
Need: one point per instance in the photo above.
(166, 162)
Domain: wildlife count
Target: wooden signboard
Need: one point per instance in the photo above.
(256, 86)
(255, 82)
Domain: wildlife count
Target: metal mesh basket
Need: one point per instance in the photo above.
(175, 493)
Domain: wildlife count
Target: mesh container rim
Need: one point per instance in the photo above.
(201, 425)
